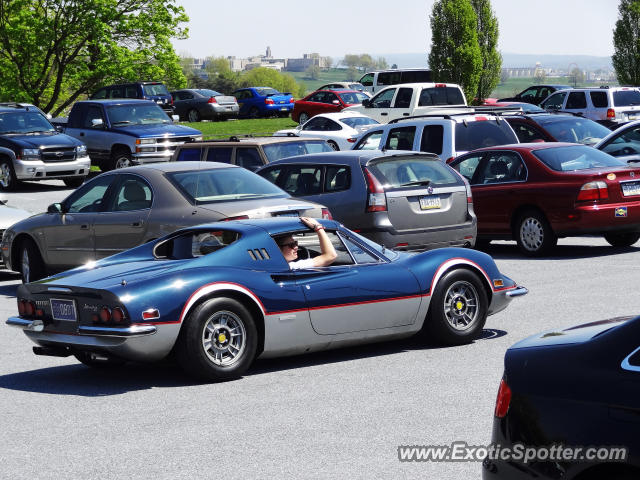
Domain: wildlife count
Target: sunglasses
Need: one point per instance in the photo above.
(291, 245)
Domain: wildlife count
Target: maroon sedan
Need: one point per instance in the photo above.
(324, 101)
(537, 192)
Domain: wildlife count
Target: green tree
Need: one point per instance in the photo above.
(268, 77)
(626, 43)
(53, 51)
(487, 31)
(455, 55)
(381, 63)
(313, 72)
(576, 76)
(217, 66)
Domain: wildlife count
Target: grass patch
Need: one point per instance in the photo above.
(256, 127)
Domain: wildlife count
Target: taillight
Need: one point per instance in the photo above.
(212, 100)
(503, 399)
(268, 101)
(117, 315)
(376, 199)
(326, 214)
(449, 160)
(441, 85)
(29, 308)
(291, 100)
(352, 139)
(611, 113)
(239, 217)
(105, 314)
(593, 191)
(22, 306)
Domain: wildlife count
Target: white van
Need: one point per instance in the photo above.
(374, 81)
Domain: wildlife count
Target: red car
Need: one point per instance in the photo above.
(537, 192)
(325, 101)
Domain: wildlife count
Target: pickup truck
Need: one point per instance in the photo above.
(411, 99)
(119, 133)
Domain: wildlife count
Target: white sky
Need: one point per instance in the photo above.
(293, 27)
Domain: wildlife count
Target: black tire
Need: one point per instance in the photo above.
(120, 158)
(625, 239)
(8, 180)
(333, 145)
(458, 309)
(227, 356)
(32, 267)
(303, 118)
(254, 112)
(98, 360)
(74, 182)
(193, 115)
(534, 234)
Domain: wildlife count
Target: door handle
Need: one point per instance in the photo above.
(384, 113)
(82, 134)
(137, 224)
(84, 227)
(406, 114)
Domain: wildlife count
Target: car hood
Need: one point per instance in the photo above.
(48, 140)
(10, 215)
(266, 208)
(157, 129)
(578, 334)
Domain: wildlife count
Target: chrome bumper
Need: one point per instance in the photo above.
(132, 331)
(516, 292)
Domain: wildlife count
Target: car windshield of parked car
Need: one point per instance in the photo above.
(407, 171)
(352, 97)
(24, 122)
(355, 122)
(224, 184)
(205, 92)
(478, 134)
(626, 98)
(155, 89)
(289, 149)
(571, 158)
(576, 130)
(265, 92)
(139, 114)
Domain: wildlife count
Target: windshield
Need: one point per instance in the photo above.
(352, 97)
(571, 158)
(224, 185)
(483, 133)
(267, 91)
(24, 122)
(138, 114)
(289, 149)
(576, 130)
(355, 122)
(626, 98)
(390, 254)
(155, 89)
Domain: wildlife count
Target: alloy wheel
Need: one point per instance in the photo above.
(224, 338)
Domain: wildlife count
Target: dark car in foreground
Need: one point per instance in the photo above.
(121, 209)
(575, 389)
(219, 295)
(403, 200)
(256, 102)
(536, 192)
(195, 104)
(548, 127)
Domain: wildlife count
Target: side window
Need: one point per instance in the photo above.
(627, 143)
(599, 99)
(403, 99)
(526, 133)
(468, 166)
(102, 93)
(360, 255)
(331, 126)
(316, 123)
(88, 198)
(431, 140)
(131, 92)
(93, 113)
(554, 102)
(189, 155)
(332, 98)
(133, 194)
(177, 96)
(367, 80)
(316, 97)
(248, 158)
(371, 141)
(116, 92)
(383, 99)
(301, 180)
(337, 178)
(271, 174)
(503, 167)
(388, 78)
(222, 154)
(528, 95)
(401, 138)
(576, 100)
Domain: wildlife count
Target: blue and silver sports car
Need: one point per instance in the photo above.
(221, 294)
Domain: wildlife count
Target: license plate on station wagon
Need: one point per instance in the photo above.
(630, 188)
(63, 310)
(430, 202)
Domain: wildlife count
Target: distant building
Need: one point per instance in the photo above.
(288, 64)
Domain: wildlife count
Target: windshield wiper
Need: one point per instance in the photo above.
(424, 183)
(122, 122)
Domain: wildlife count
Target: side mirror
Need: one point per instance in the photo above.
(366, 103)
(59, 128)
(175, 118)
(54, 208)
(97, 122)
(336, 102)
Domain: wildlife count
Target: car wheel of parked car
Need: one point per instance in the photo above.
(74, 182)
(303, 117)
(458, 309)
(534, 234)
(31, 264)
(119, 159)
(254, 112)
(94, 360)
(333, 145)
(193, 115)
(218, 340)
(625, 239)
(8, 179)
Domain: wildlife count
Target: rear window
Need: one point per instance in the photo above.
(441, 96)
(267, 91)
(208, 93)
(484, 133)
(290, 149)
(599, 99)
(155, 89)
(569, 159)
(399, 172)
(189, 155)
(355, 122)
(576, 130)
(626, 98)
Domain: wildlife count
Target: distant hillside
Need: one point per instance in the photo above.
(510, 60)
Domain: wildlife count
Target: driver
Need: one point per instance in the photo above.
(289, 248)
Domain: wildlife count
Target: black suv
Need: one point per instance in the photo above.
(154, 91)
(32, 149)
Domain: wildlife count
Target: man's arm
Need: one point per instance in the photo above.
(328, 254)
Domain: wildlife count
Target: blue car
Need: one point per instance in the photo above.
(255, 102)
(220, 295)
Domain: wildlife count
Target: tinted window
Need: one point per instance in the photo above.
(501, 167)
(576, 100)
(24, 121)
(131, 91)
(138, 114)
(441, 96)
(102, 93)
(289, 149)
(189, 155)
(371, 141)
(155, 89)
(554, 102)
(418, 76)
(367, 80)
(599, 99)
(431, 140)
(527, 133)
(337, 178)
(222, 154)
(398, 172)
(383, 99)
(301, 180)
(93, 113)
(248, 158)
(267, 91)
(388, 78)
(403, 99)
(577, 130)
(568, 159)
(472, 135)
(401, 138)
(626, 98)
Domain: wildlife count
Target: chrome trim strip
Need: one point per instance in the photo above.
(132, 331)
(627, 366)
(516, 292)
(32, 325)
(59, 289)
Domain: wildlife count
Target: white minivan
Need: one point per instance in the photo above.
(376, 80)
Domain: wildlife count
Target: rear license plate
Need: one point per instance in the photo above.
(286, 214)
(630, 188)
(429, 203)
(63, 310)
(284, 109)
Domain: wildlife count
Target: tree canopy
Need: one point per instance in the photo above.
(53, 51)
(626, 43)
(487, 31)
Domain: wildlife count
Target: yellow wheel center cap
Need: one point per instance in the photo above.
(459, 305)
(222, 338)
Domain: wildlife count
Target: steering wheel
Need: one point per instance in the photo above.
(303, 253)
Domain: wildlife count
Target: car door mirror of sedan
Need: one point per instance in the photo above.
(175, 118)
(336, 102)
(366, 103)
(55, 208)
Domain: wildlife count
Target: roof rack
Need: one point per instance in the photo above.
(16, 105)
(471, 111)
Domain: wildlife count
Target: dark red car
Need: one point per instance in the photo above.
(324, 101)
(537, 192)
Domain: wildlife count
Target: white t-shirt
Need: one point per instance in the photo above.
(304, 263)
